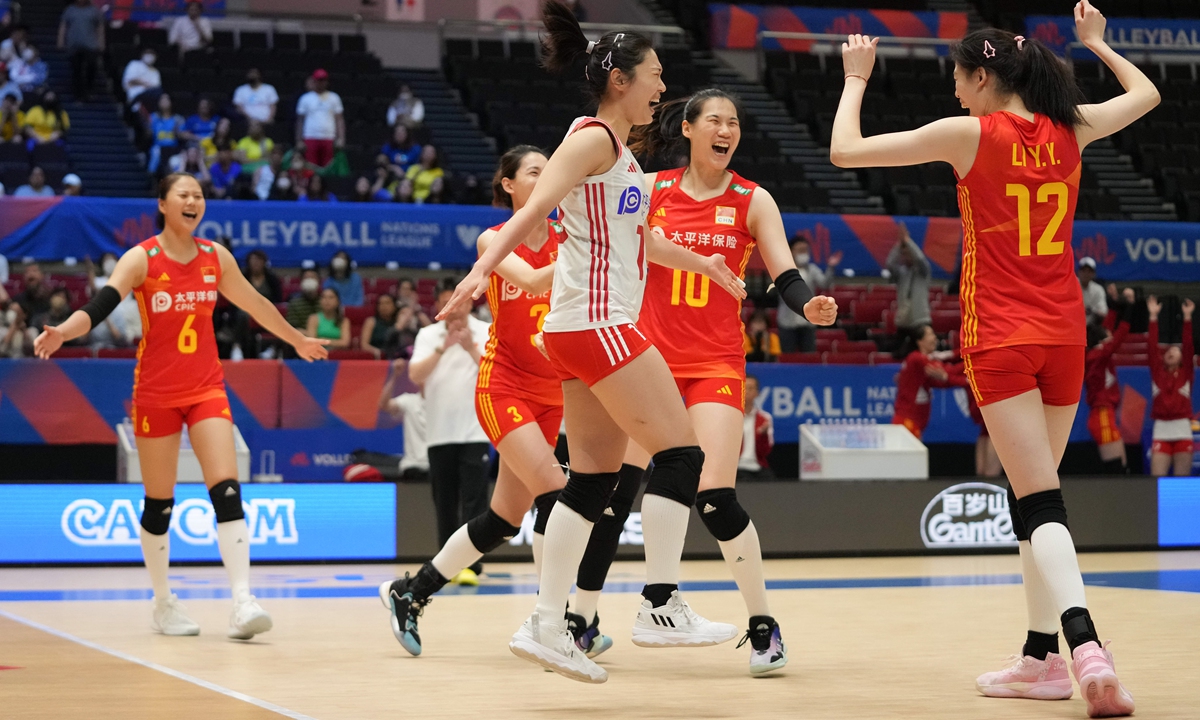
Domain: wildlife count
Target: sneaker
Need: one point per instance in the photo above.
(398, 597)
(675, 625)
(467, 577)
(1029, 678)
(556, 652)
(767, 651)
(248, 619)
(588, 638)
(1098, 683)
(170, 618)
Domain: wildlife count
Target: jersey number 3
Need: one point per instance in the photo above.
(1046, 244)
(188, 340)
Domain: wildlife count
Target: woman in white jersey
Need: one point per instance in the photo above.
(616, 386)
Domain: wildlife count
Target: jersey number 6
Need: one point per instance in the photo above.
(1046, 245)
(188, 340)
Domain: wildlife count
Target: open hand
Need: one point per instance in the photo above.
(858, 56)
(1188, 307)
(1154, 306)
(472, 287)
(719, 272)
(821, 310)
(311, 349)
(48, 342)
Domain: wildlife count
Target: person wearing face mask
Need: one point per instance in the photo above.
(141, 80)
(407, 109)
(307, 302)
(796, 333)
(46, 122)
(256, 100)
(344, 279)
(30, 71)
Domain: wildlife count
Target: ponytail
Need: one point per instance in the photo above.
(665, 133)
(564, 45)
(1026, 67)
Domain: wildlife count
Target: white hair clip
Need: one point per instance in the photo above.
(988, 50)
(591, 47)
(607, 62)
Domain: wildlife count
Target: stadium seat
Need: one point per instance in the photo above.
(351, 355)
(831, 334)
(850, 358)
(73, 352)
(809, 358)
(1124, 359)
(881, 358)
(854, 346)
(123, 353)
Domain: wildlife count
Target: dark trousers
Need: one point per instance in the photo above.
(458, 477)
(798, 339)
(83, 72)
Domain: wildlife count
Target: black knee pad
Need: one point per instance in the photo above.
(588, 493)
(489, 531)
(1042, 508)
(1018, 525)
(544, 504)
(676, 474)
(226, 499)
(628, 485)
(156, 515)
(722, 514)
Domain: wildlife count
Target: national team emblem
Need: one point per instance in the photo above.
(631, 201)
(209, 273)
(726, 215)
(160, 301)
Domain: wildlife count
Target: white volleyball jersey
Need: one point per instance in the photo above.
(601, 270)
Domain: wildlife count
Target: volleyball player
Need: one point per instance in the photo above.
(1017, 159)
(1102, 391)
(616, 386)
(920, 372)
(713, 212)
(1171, 373)
(178, 381)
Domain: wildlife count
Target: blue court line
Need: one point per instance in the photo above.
(1168, 580)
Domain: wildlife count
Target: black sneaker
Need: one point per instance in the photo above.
(768, 653)
(405, 606)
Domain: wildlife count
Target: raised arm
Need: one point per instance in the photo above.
(240, 292)
(518, 272)
(1154, 356)
(766, 225)
(1189, 343)
(1141, 96)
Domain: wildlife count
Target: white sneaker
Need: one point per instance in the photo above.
(675, 625)
(170, 619)
(248, 619)
(554, 649)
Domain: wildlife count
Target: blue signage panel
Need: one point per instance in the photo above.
(100, 523)
(1179, 511)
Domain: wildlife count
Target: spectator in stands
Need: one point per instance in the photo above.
(758, 437)
(345, 279)
(330, 322)
(121, 329)
(11, 119)
(921, 371)
(203, 124)
(471, 192)
(760, 343)
(223, 134)
(437, 192)
(254, 150)
(317, 192)
(1095, 302)
(46, 122)
(9, 87)
(409, 321)
(142, 81)
(191, 161)
(299, 174)
(191, 32)
(3, 274)
(256, 100)
(406, 293)
(36, 187)
(307, 301)
(364, 193)
(407, 109)
(108, 261)
(72, 185)
(264, 177)
(796, 333)
(15, 44)
(164, 128)
(13, 340)
(283, 189)
(410, 409)
(35, 298)
(224, 172)
(404, 191)
(81, 34)
(29, 71)
(258, 271)
(320, 127)
(424, 174)
(378, 331)
(910, 271)
(401, 152)
(57, 312)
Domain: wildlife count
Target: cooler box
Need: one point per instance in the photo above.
(861, 452)
(129, 470)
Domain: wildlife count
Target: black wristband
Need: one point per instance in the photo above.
(795, 292)
(102, 305)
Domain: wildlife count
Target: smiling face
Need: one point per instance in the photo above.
(640, 91)
(183, 205)
(715, 134)
(521, 185)
(974, 90)
(1172, 357)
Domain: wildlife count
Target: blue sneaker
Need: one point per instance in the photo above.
(767, 651)
(588, 638)
(398, 597)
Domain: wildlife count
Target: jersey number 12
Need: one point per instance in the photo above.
(1046, 244)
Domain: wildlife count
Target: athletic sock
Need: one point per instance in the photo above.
(233, 538)
(539, 542)
(1054, 553)
(567, 535)
(664, 526)
(1039, 645)
(586, 602)
(744, 558)
(1043, 613)
(156, 549)
(458, 552)
(659, 593)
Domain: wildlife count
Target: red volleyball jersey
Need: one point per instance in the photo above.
(697, 327)
(1172, 389)
(1100, 385)
(511, 361)
(913, 385)
(177, 358)
(1018, 207)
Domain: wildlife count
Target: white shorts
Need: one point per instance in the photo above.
(1171, 430)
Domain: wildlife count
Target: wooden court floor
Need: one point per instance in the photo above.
(868, 638)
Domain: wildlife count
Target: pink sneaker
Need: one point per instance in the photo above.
(1030, 678)
(1098, 683)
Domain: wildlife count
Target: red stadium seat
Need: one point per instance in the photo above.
(1123, 359)
(824, 344)
(844, 297)
(882, 358)
(117, 353)
(70, 353)
(383, 285)
(850, 358)
(358, 314)
(811, 358)
(831, 334)
(869, 311)
(853, 346)
(946, 320)
(351, 355)
(882, 291)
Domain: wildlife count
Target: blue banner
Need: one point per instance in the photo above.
(151, 10)
(1152, 33)
(1179, 511)
(100, 523)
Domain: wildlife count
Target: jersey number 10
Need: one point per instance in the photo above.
(689, 291)
(1046, 244)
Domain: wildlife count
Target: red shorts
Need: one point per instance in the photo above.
(1102, 424)
(1171, 447)
(154, 422)
(1002, 373)
(592, 355)
(318, 152)
(501, 414)
(911, 424)
(720, 390)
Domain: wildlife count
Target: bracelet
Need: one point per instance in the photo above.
(860, 77)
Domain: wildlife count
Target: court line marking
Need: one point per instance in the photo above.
(160, 668)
